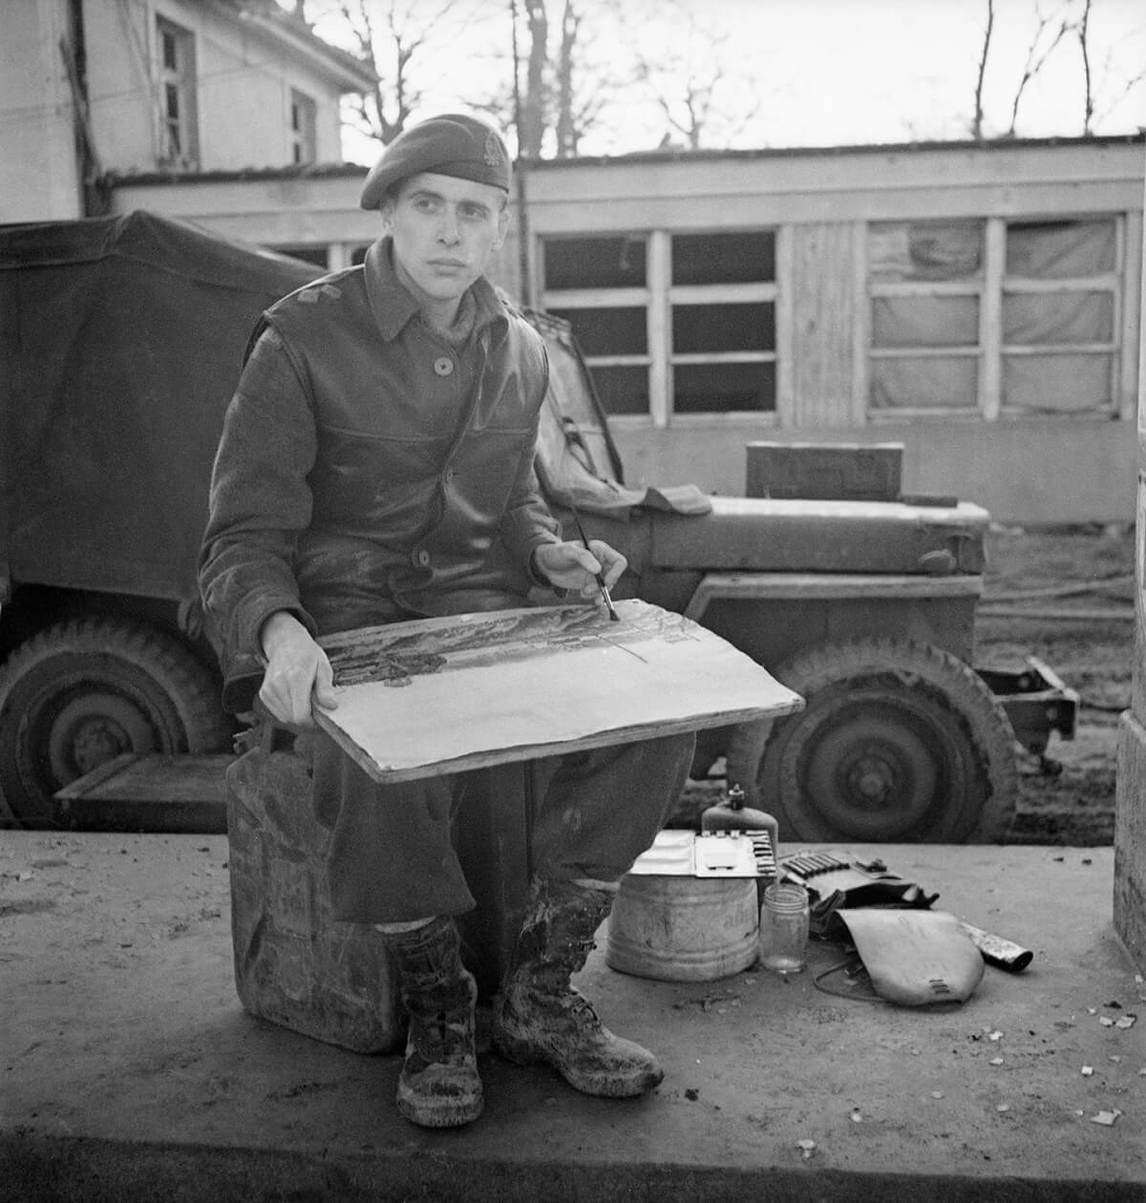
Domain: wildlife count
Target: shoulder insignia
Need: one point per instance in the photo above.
(314, 293)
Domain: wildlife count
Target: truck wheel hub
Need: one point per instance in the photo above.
(870, 771)
(872, 780)
(93, 729)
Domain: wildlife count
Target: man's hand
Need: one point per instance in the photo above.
(298, 671)
(571, 566)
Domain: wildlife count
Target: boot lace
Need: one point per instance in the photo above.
(438, 1040)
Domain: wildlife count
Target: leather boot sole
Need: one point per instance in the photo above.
(438, 1112)
(600, 1083)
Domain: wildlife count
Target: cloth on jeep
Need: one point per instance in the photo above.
(568, 476)
(577, 463)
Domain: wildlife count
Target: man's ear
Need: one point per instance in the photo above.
(386, 208)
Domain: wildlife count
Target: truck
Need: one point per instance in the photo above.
(123, 339)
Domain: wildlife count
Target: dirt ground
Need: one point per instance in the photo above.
(1036, 582)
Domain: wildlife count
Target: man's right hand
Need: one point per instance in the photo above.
(298, 673)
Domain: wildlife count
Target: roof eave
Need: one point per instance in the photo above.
(348, 73)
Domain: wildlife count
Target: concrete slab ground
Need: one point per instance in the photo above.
(130, 1071)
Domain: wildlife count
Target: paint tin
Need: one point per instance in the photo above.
(683, 929)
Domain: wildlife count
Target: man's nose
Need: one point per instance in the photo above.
(448, 229)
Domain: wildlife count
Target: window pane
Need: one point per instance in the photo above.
(311, 254)
(700, 328)
(1068, 317)
(924, 383)
(608, 331)
(170, 51)
(724, 387)
(925, 321)
(925, 250)
(1057, 383)
(740, 258)
(1060, 249)
(623, 390)
(595, 262)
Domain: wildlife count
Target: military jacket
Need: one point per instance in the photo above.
(371, 470)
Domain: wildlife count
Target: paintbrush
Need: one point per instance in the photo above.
(613, 615)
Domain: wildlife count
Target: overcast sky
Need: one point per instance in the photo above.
(835, 72)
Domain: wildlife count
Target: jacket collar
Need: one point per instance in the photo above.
(393, 305)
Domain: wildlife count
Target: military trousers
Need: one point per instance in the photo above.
(392, 856)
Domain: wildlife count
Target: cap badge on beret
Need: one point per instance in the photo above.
(493, 156)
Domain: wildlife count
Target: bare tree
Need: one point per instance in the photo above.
(565, 126)
(396, 36)
(1082, 30)
(977, 119)
(564, 89)
(690, 81)
(1041, 47)
(532, 113)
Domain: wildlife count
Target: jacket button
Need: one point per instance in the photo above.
(421, 557)
(444, 365)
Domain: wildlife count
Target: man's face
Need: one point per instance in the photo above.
(445, 232)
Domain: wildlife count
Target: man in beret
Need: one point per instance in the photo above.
(376, 465)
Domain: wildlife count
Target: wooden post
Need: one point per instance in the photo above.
(1130, 814)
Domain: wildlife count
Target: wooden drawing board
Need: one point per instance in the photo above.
(443, 695)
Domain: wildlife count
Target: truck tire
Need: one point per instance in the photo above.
(84, 691)
(898, 742)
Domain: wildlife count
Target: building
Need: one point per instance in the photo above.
(95, 92)
(977, 302)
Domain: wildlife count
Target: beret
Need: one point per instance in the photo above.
(452, 144)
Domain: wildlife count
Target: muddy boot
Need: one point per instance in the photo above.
(538, 1016)
(439, 1085)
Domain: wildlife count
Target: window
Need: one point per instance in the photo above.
(318, 255)
(926, 283)
(599, 285)
(680, 324)
(723, 322)
(302, 128)
(994, 317)
(1060, 317)
(178, 134)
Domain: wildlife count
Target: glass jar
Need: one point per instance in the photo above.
(784, 928)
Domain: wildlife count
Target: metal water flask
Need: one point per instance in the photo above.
(733, 815)
(784, 928)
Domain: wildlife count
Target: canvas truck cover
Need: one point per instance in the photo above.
(121, 341)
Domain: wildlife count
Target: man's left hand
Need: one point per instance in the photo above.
(571, 566)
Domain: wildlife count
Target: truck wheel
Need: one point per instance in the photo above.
(82, 692)
(897, 742)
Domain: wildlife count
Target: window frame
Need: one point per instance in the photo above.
(1110, 282)
(657, 297)
(974, 286)
(302, 123)
(182, 77)
(990, 288)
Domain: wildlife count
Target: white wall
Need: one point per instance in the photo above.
(39, 177)
(244, 82)
(244, 89)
